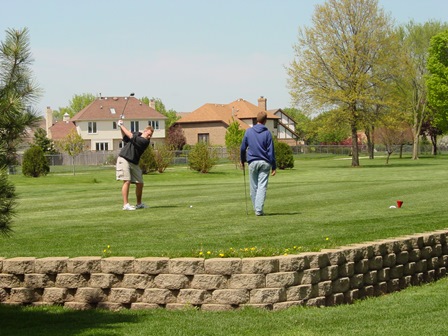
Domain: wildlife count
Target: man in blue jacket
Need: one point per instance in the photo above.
(257, 148)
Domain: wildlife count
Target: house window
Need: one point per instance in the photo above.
(112, 110)
(134, 126)
(203, 137)
(92, 127)
(275, 123)
(114, 125)
(154, 124)
(254, 121)
(102, 146)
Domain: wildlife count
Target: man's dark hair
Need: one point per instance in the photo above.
(262, 117)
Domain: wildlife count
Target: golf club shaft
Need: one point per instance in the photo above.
(124, 108)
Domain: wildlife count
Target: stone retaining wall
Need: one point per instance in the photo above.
(326, 278)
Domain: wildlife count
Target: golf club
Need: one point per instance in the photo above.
(245, 189)
(122, 113)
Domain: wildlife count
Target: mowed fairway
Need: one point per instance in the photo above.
(321, 203)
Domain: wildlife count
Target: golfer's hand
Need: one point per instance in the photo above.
(273, 173)
(120, 123)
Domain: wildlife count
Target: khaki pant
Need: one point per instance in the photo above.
(128, 171)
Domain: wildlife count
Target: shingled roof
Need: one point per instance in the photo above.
(110, 108)
(61, 129)
(236, 110)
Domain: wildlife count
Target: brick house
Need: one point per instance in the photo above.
(97, 122)
(210, 121)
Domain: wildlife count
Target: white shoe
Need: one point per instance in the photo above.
(141, 206)
(128, 207)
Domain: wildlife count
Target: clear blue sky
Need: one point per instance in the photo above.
(185, 52)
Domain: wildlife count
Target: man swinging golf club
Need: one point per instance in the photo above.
(257, 148)
(127, 169)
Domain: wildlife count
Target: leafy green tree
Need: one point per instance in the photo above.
(73, 145)
(330, 127)
(350, 50)
(234, 137)
(437, 81)
(76, 104)
(35, 163)
(41, 140)
(160, 107)
(18, 91)
(202, 158)
(7, 202)
(415, 42)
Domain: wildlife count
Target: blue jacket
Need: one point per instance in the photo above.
(258, 145)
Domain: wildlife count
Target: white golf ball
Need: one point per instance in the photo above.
(191, 206)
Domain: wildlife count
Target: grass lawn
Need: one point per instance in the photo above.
(321, 203)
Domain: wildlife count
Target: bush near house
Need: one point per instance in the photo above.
(147, 161)
(283, 155)
(202, 158)
(34, 162)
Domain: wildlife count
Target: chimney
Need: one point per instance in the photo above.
(48, 121)
(262, 103)
(152, 104)
(66, 117)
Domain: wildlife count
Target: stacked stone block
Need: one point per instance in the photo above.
(325, 278)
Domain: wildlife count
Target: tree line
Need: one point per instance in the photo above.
(361, 72)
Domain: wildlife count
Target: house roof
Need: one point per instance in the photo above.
(102, 109)
(61, 129)
(238, 110)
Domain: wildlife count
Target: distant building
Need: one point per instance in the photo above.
(210, 121)
(97, 122)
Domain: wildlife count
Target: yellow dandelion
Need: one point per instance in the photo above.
(221, 255)
(327, 238)
(208, 252)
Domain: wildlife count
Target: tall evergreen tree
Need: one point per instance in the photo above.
(18, 91)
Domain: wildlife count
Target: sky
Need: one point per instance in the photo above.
(185, 52)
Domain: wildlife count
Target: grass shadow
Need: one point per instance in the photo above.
(291, 213)
(19, 320)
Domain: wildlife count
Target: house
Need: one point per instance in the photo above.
(287, 129)
(97, 122)
(209, 122)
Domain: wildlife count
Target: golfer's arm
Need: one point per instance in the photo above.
(125, 132)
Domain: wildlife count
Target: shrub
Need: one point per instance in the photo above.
(202, 158)
(163, 156)
(147, 161)
(283, 155)
(34, 162)
(234, 137)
